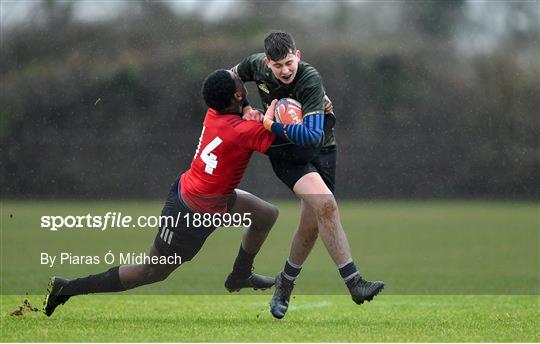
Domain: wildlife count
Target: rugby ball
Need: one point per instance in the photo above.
(288, 111)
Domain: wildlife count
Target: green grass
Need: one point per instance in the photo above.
(416, 247)
(434, 257)
(312, 318)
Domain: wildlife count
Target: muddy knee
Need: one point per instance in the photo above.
(327, 211)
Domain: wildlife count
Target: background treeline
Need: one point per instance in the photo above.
(112, 108)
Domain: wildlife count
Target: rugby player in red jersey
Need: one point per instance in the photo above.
(225, 147)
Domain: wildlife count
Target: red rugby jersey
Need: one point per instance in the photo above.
(225, 147)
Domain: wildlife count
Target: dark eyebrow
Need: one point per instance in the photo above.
(286, 62)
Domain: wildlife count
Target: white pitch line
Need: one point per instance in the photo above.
(294, 307)
(319, 304)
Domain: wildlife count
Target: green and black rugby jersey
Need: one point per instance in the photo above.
(307, 87)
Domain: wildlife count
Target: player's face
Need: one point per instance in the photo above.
(285, 69)
(241, 91)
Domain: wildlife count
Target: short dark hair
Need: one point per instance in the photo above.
(218, 89)
(278, 44)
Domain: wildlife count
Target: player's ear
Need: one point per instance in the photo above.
(266, 61)
(298, 54)
(238, 97)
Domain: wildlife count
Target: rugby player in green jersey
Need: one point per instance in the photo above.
(309, 173)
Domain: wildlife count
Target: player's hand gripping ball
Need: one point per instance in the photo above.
(288, 111)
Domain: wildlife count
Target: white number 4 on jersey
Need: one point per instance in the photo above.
(207, 156)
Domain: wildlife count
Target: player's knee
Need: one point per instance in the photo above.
(267, 218)
(273, 213)
(327, 210)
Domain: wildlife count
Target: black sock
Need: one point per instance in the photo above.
(243, 263)
(105, 282)
(291, 270)
(348, 270)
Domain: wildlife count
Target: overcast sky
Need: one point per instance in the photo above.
(15, 12)
(489, 18)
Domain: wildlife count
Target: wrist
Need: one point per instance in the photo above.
(267, 123)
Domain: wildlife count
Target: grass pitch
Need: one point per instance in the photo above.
(311, 318)
(455, 271)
